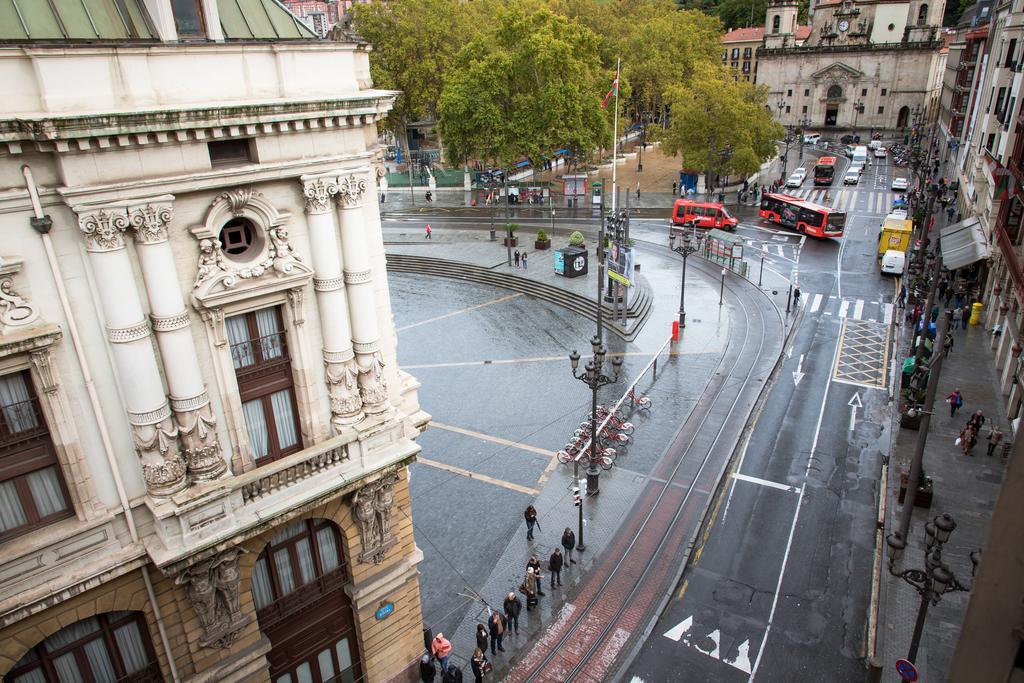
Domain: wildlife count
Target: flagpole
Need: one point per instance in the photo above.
(615, 137)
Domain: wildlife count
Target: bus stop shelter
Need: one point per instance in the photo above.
(722, 247)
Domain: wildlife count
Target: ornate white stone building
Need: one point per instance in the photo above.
(204, 433)
(866, 65)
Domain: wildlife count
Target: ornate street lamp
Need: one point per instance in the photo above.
(686, 244)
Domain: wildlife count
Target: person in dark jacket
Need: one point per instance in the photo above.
(427, 670)
(555, 567)
(481, 637)
(534, 564)
(496, 625)
(512, 609)
(452, 675)
(477, 663)
(531, 519)
(569, 543)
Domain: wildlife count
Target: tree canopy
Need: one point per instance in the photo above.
(720, 122)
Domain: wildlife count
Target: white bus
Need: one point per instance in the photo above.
(860, 155)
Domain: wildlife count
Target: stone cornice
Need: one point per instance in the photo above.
(130, 129)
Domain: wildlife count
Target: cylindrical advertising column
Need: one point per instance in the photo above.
(359, 287)
(197, 425)
(328, 283)
(153, 431)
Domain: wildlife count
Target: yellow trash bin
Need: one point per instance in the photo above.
(976, 313)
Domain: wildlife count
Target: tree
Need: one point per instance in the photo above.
(741, 13)
(720, 124)
(528, 86)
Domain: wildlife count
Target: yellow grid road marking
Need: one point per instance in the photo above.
(862, 355)
(476, 475)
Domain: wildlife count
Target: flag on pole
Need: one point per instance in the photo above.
(613, 91)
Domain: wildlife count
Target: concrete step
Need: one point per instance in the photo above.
(636, 314)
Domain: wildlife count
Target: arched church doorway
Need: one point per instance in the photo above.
(903, 118)
(298, 589)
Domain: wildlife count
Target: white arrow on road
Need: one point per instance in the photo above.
(854, 404)
(798, 375)
(680, 629)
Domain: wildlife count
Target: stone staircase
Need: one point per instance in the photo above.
(639, 309)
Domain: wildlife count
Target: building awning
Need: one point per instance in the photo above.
(963, 243)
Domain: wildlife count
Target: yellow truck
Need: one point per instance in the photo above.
(895, 234)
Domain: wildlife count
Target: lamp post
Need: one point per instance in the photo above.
(592, 375)
(721, 292)
(858, 108)
(936, 579)
(804, 122)
(688, 244)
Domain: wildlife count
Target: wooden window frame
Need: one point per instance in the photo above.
(203, 33)
(25, 454)
(264, 378)
(45, 659)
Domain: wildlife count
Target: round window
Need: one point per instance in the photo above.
(892, 27)
(240, 239)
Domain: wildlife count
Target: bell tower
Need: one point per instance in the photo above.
(780, 23)
(923, 17)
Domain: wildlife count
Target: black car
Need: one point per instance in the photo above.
(849, 139)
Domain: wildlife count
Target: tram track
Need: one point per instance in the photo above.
(613, 609)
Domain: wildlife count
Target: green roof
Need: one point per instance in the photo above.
(74, 20)
(260, 20)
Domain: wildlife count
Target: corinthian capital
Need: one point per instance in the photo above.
(103, 227)
(351, 189)
(318, 193)
(150, 221)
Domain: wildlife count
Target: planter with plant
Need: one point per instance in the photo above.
(510, 235)
(925, 489)
(543, 241)
(576, 239)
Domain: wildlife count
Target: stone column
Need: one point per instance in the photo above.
(197, 425)
(359, 287)
(328, 283)
(153, 431)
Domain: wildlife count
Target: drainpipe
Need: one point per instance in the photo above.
(42, 224)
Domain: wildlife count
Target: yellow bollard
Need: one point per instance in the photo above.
(976, 313)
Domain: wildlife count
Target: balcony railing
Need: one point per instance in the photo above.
(289, 470)
(1010, 256)
(301, 597)
(21, 422)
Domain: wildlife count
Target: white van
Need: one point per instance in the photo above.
(860, 155)
(893, 262)
(812, 138)
(875, 144)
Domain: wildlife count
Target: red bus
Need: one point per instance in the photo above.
(702, 215)
(803, 216)
(825, 171)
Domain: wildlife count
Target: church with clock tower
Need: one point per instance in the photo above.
(868, 65)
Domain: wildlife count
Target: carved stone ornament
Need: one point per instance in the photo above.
(371, 508)
(197, 426)
(103, 228)
(351, 189)
(156, 441)
(150, 222)
(372, 386)
(213, 588)
(318, 193)
(15, 310)
(343, 389)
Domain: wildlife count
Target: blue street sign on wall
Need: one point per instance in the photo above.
(385, 610)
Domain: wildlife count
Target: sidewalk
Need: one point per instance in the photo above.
(966, 487)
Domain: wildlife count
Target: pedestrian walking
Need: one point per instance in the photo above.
(955, 400)
(947, 343)
(978, 420)
(524, 260)
(638, 190)
(477, 664)
(534, 564)
(452, 675)
(516, 257)
(512, 607)
(674, 185)
(569, 543)
(531, 520)
(995, 436)
(555, 563)
(966, 438)
(958, 314)
(482, 637)
(442, 650)
(796, 297)
(427, 669)
(965, 318)
(427, 236)
(496, 625)
(529, 589)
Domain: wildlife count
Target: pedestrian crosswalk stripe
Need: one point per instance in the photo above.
(858, 309)
(843, 308)
(781, 253)
(816, 303)
(887, 313)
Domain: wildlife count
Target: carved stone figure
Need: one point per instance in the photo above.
(367, 518)
(213, 589)
(371, 506)
(382, 503)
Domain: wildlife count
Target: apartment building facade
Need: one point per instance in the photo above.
(204, 432)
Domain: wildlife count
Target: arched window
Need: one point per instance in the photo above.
(835, 92)
(922, 15)
(300, 564)
(776, 22)
(114, 646)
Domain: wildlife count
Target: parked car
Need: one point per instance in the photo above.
(899, 184)
(880, 152)
(848, 151)
(849, 139)
(812, 138)
(796, 179)
(852, 177)
(859, 168)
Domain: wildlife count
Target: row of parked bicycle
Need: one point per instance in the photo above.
(613, 428)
